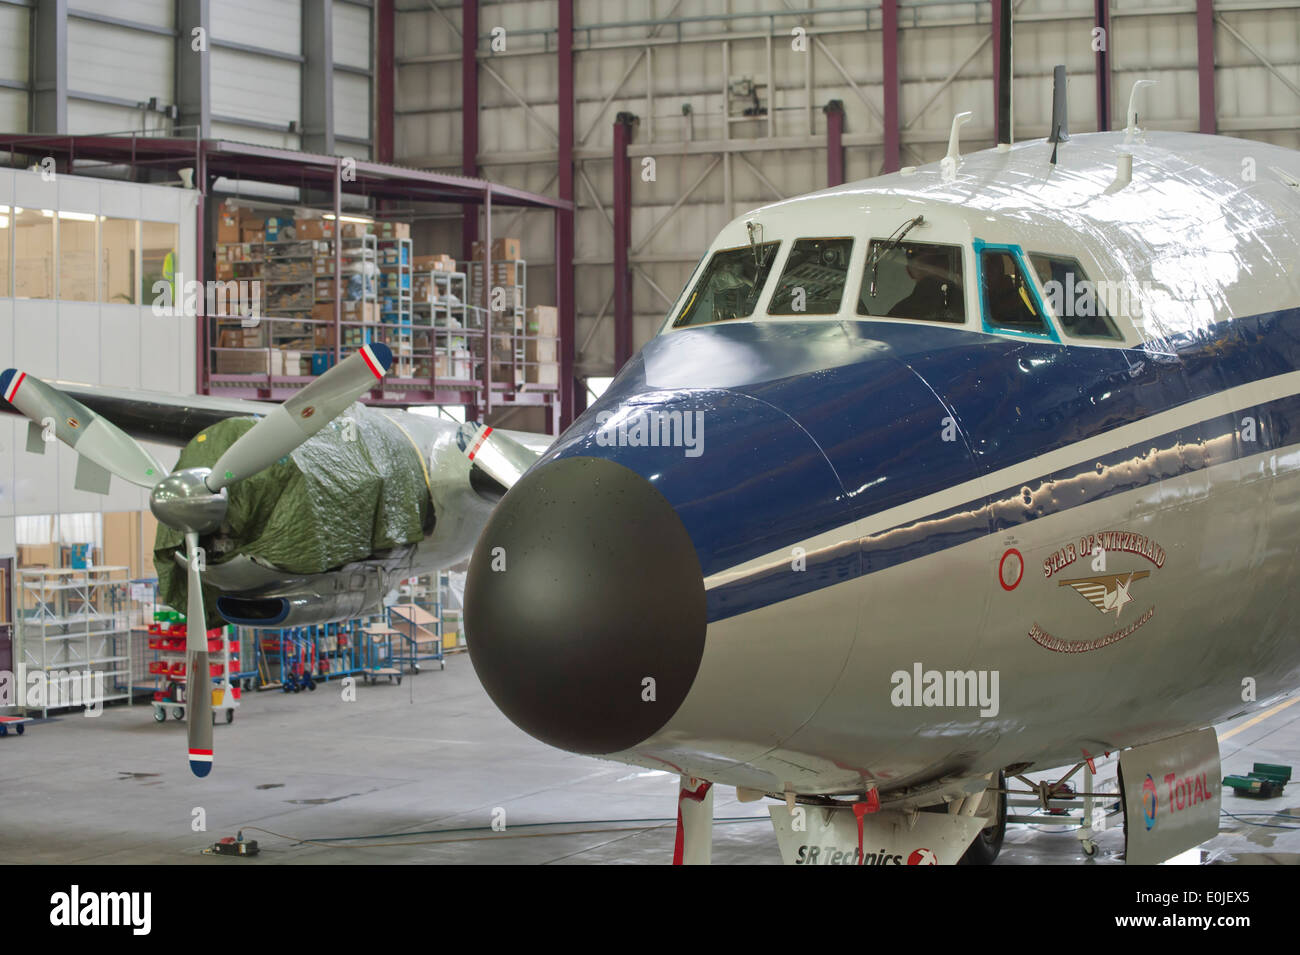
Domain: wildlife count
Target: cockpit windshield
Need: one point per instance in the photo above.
(813, 280)
(730, 286)
(921, 280)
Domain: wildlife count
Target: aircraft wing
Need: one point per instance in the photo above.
(154, 415)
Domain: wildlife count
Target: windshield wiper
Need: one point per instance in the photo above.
(889, 245)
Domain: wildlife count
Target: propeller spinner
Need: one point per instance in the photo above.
(194, 500)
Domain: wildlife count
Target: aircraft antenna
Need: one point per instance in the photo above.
(1131, 130)
(1060, 112)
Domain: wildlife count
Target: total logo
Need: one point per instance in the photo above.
(1150, 802)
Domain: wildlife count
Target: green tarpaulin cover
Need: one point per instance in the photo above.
(354, 488)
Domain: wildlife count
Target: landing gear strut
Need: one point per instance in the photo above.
(694, 844)
(993, 805)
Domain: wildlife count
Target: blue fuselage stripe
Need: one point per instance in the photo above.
(811, 426)
(1277, 425)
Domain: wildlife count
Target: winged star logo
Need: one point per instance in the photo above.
(1107, 592)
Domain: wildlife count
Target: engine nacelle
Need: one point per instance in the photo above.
(320, 598)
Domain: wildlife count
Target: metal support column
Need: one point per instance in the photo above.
(1205, 64)
(1002, 54)
(834, 111)
(564, 218)
(49, 67)
(192, 69)
(622, 240)
(487, 304)
(318, 76)
(1102, 23)
(205, 224)
(338, 262)
(385, 78)
(889, 80)
(469, 117)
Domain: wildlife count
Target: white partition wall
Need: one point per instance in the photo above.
(81, 256)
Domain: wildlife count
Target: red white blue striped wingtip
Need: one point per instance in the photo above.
(10, 379)
(200, 762)
(378, 357)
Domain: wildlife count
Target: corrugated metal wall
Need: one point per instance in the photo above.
(675, 59)
(14, 67)
(121, 54)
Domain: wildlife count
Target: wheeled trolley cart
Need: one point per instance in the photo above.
(18, 723)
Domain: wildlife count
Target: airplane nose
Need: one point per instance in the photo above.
(584, 606)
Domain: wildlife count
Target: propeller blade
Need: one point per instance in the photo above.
(198, 684)
(307, 412)
(501, 458)
(91, 436)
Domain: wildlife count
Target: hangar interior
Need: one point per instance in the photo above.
(510, 198)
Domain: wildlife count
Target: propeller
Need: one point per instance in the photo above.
(194, 500)
(80, 428)
(501, 458)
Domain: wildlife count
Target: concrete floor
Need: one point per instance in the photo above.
(435, 754)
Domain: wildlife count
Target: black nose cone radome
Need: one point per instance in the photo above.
(584, 606)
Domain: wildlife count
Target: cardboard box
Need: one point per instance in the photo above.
(503, 273)
(393, 230)
(454, 366)
(433, 263)
(543, 350)
(37, 555)
(505, 249)
(252, 235)
(542, 321)
(361, 312)
(251, 361)
(280, 228)
(355, 230)
(313, 228)
(289, 361)
(323, 312)
(241, 338)
(545, 374)
(228, 224)
(323, 337)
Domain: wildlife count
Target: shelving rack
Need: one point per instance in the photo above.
(360, 257)
(450, 322)
(506, 327)
(168, 637)
(297, 277)
(288, 656)
(396, 310)
(69, 621)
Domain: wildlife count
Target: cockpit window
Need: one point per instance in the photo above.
(1078, 303)
(813, 280)
(730, 286)
(921, 280)
(1009, 302)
